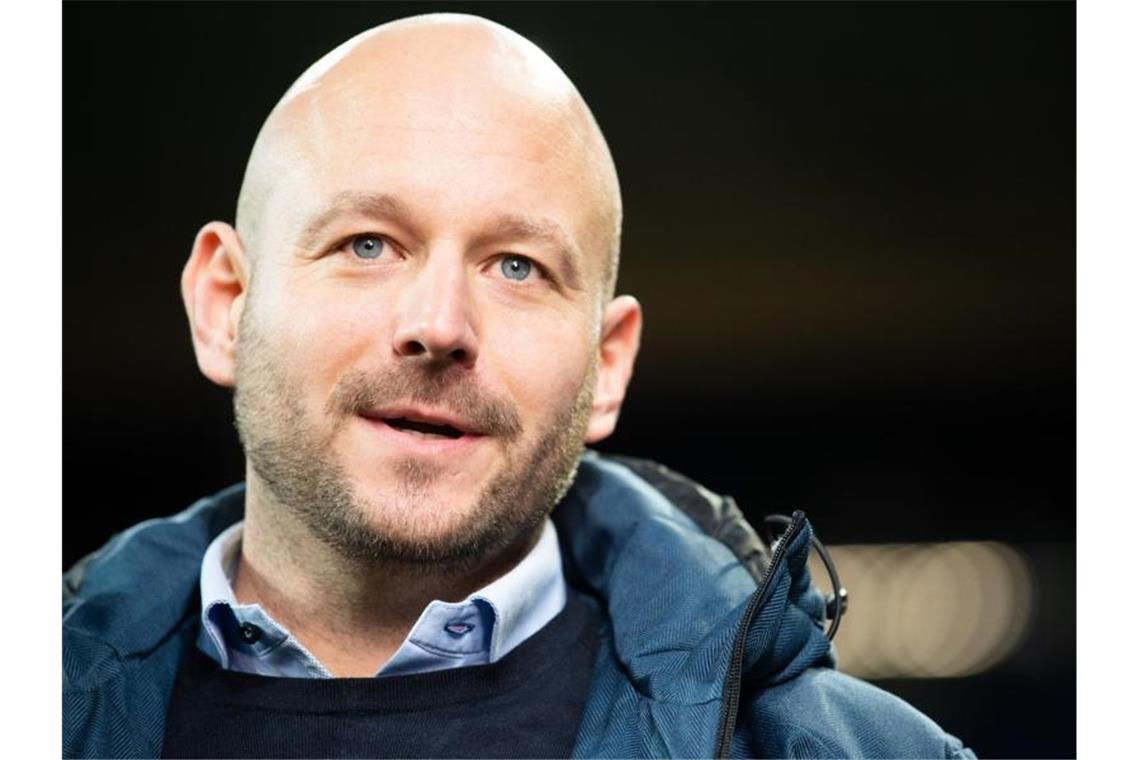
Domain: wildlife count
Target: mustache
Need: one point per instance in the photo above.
(451, 389)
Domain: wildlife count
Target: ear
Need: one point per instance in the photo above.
(215, 281)
(617, 350)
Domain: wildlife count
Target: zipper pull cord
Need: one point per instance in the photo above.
(837, 600)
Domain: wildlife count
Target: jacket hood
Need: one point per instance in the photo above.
(147, 573)
(675, 595)
(680, 603)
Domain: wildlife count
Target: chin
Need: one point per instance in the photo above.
(428, 523)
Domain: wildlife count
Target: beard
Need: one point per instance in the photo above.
(293, 457)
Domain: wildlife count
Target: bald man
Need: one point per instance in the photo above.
(415, 308)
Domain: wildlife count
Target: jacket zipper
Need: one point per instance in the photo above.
(731, 701)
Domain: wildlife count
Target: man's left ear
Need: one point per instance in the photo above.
(621, 337)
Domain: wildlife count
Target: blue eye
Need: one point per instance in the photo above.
(368, 246)
(515, 267)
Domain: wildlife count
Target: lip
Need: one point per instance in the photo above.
(416, 444)
(423, 414)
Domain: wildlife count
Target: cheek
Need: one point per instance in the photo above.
(321, 338)
(542, 365)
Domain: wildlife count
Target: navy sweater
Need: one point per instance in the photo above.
(528, 704)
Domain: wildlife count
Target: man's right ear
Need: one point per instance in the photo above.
(215, 281)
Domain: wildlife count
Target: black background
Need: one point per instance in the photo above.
(852, 227)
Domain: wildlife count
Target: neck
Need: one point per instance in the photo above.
(351, 614)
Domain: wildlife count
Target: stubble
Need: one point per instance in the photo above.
(293, 457)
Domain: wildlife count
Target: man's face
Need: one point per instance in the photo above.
(417, 354)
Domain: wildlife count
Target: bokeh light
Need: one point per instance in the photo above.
(934, 610)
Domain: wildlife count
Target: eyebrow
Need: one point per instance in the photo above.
(542, 231)
(503, 227)
(349, 203)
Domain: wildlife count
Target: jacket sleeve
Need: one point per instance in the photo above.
(824, 713)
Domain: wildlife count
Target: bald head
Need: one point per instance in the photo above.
(432, 218)
(447, 97)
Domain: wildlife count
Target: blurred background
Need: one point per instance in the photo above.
(851, 226)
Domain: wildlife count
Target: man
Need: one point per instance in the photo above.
(416, 311)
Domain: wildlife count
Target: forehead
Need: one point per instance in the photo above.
(453, 145)
(401, 136)
(454, 166)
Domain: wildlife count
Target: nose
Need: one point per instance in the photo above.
(435, 320)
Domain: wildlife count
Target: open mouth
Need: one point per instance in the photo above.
(425, 429)
(428, 426)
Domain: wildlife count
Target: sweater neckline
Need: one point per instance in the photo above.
(575, 626)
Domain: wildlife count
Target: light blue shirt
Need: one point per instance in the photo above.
(479, 630)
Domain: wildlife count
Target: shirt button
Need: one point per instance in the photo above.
(458, 628)
(249, 633)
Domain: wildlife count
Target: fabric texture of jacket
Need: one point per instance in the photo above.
(710, 644)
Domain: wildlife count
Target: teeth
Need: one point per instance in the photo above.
(425, 429)
(423, 434)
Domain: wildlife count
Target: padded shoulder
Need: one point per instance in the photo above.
(825, 713)
(717, 515)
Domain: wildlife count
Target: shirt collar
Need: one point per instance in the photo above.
(482, 628)
(528, 597)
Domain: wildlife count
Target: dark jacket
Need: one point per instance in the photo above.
(708, 645)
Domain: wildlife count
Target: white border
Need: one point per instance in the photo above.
(30, 312)
(1108, 345)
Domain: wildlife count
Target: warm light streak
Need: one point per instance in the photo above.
(930, 610)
